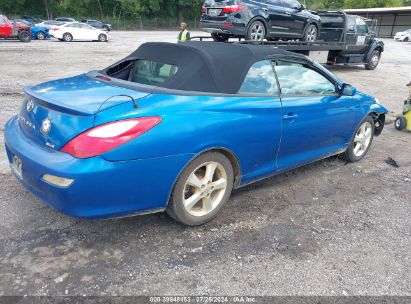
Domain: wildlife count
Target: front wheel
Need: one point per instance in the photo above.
(361, 142)
(202, 189)
(256, 31)
(374, 60)
(311, 33)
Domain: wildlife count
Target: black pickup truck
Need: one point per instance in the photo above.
(345, 39)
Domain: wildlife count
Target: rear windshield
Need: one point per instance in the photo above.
(151, 72)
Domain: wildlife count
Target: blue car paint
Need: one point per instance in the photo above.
(36, 29)
(139, 176)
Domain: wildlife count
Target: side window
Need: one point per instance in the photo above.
(260, 80)
(361, 25)
(293, 4)
(298, 80)
(151, 72)
(350, 24)
(274, 2)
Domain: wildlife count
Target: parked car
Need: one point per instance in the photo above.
(8, 30)
(50, 23)
(65, 19)
(259, 19)
(97, 24)
(403, 36)
(78, 31)
(31, 19)
(176, 127)
(37, 32)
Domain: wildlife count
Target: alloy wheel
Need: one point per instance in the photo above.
(362, 139)
(257, 32)
(41, 36)
(204, 189)
(311, 35)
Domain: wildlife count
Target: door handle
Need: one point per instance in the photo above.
(290, 116)
(265, 9)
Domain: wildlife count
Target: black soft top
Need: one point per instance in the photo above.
(213, 67)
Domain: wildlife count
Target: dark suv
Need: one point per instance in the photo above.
(259, 19)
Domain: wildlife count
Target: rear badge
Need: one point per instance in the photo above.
(30, 106)
(45, 126)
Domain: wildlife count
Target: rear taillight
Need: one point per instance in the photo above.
(106, 137)
(203, 10)
(233, 8)
(55, 29)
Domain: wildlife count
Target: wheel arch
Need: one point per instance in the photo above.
(258, 18)
(232, 157)
(379, 121)
(317, 25)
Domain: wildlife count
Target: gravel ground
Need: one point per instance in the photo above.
(330, 228)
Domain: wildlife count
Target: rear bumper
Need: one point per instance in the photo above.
(101, 188)
(219, 28)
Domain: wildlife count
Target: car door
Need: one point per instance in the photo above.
(260, 135)
(316, 120)
(277, 17)
(87, 32)
(295, 19)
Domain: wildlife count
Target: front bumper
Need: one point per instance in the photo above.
(101, 188)
(219, 28)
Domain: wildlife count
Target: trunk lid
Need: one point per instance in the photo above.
(55, 112)
(213, 9)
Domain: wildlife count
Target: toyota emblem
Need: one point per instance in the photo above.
(45, 126)
(30, 105)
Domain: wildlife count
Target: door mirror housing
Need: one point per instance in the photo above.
(348, 90)
(300, 8)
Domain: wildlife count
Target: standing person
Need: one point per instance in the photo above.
(184, 34)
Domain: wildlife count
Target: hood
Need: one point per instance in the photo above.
(81, 95)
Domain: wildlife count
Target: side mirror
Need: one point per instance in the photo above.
(348, 90)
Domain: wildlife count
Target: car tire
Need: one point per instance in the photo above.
(374, 60)
(102, 38)
(400, 123)
(361, 141)
(256, 31)
(24, 36)
(67, 37)
(202, 189)
(41, 36)
(311, 33)
(220, 37)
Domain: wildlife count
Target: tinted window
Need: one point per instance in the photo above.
(151, 72)
(291, 4)
(296, 79)
(260, 79)
(274, 2)
(362, 27)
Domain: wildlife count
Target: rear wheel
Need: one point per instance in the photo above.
(256, 31)
(220, 37)
(361, 141)
(67, 37)
(102, 38)
(41, 36)
(311, 33)
(400, 123)
(202, 189)
(24, 36)
(374, 60)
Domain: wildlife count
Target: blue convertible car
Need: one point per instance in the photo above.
(176, 127)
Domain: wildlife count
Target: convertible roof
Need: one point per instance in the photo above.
(213, 67)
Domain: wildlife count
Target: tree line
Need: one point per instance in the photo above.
(172, 9)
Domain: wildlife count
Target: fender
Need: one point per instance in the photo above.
(376, 44)
(316, 23)
(267, 28)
